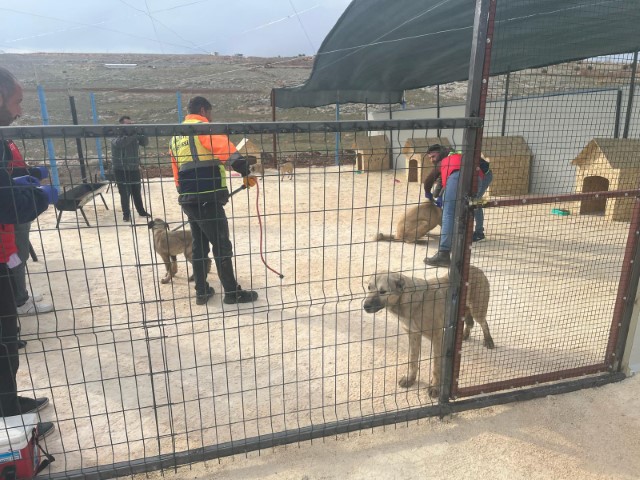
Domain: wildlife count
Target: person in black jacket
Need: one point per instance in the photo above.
(125, 155)
(21, 201)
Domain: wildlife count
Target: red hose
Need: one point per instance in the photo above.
(260, 223)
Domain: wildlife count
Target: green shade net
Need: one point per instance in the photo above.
(379, 48)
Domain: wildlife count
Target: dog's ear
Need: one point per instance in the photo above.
(400, 283)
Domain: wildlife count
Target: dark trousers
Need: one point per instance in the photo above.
(129, 186)
(9, 359)
(209, 226)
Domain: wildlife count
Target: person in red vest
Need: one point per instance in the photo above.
(22, 199)
(447, 165)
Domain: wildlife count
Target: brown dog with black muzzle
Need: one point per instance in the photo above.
(420, 307)
(169, 245)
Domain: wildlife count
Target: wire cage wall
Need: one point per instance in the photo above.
(140, 377)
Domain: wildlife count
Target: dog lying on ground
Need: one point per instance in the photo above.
(420, 307)
(286, 169)
(169, 244)
(415, 223)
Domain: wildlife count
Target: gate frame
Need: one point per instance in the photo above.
(477, 88)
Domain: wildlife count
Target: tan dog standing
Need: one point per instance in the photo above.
(420, 307)
(286, 169)
(415, 223)
(169, 244)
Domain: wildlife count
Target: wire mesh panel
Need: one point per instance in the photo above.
(559, 246)
(137, 371)
(554, 284)
(141, 376)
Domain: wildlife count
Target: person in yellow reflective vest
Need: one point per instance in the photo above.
(198, 163)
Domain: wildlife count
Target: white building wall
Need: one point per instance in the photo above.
(556, 127)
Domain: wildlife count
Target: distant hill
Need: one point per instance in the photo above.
(238, 86)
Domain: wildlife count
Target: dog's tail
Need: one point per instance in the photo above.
(381, 237)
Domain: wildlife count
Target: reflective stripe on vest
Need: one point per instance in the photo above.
(199, 171)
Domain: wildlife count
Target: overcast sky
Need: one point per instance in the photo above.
(250, 27)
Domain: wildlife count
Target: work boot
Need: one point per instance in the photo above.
(477, 236)
(201, 299)
(440, 259)
(32, 405)
(45, 428)
(240, 296)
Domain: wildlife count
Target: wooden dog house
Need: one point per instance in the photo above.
(248, 149)
(417, 162)
(510, 159)
(372, 152)
(608, 164)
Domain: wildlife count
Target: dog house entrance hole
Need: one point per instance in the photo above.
(594, 206)
(413, 171)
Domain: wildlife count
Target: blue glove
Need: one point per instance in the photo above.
(428, 196)
(44, 172)
(27, 181)
(52, 193)
(439, 202)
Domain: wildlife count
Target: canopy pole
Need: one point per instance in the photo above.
(337, 134)
(616, 127)
(273, 119)
(438, 105)
(391, 165)
(179, 103)
(55, 179)
(74, 117)
(506, 101)
(632, 89)
(94, 113)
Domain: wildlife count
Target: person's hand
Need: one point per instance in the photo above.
(250, 181)
(438, 202)
(44, 172)
(429, 196)
(52, 193)
(27, 181)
